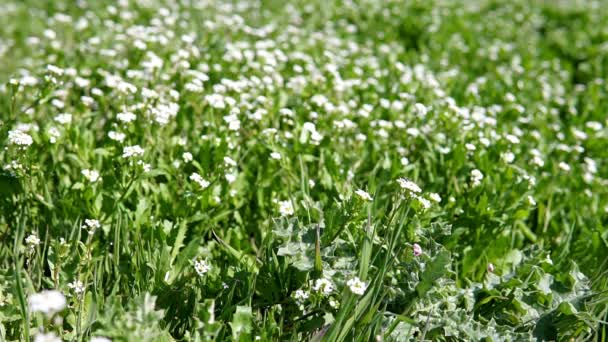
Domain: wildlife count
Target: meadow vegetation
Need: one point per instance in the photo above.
(303, 170)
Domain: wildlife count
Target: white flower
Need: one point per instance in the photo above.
(409, 185)
(100, 339)
(201, 267)
(564, 166)
(476, 177)
(229, 161)
(195, 177)
(58, 103)
(116, 136)
(91, 175)
(301, 295)
(433, 196)
(145, 166)
(87, 101)
(54, 134)
(508, 157)
(531, 201)
(13, 165)
(364, 195)
(234, 124)
(187, 156)
(421, 109)
(32, 240)
(132, 151)
(324, 286)
(54, 69)
(315, 136)
(275, 155)
(230, 177)
(47, 302)
(538, 161)
(426, 204)
(91, 225)
(48, 337)
(286, 208)
(18, 137)
(356, 286)
(77, 286)
(64, 118)
(126, 117)
(512, 139)
(149, 93)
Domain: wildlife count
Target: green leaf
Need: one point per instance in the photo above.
(241, 323)
(567, 308)
(434, 270)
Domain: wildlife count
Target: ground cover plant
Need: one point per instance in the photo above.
(320, 170)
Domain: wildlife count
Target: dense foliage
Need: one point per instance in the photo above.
(309, 170)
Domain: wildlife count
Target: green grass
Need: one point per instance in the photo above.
(251, 170)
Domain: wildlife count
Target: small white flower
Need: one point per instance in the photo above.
(364, 195)
(48, 337)
(132, 151)
(512, 139)
(324, 286)
(91, 175)
(476, 177)
(145, 166)
(229, 161)
(77, 286)
(195, 177)
(48, 302)
(32, 240)
(275, 155)
(426, 204)
(409, 185)
(538, 161)
(187, 156)
(356, 286)
(531, 201)
(301, 295)
(54, 134)
(230, 177)
(564, 166)
(91, 225)
(55, 69)
(201, 267)
(100, 339)
(13, 165)
(18, 137)
(126, 117)
(490, 267)
(286, 208)
(64, 118)
(508, 157)
(116, 136)
(433, 196)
